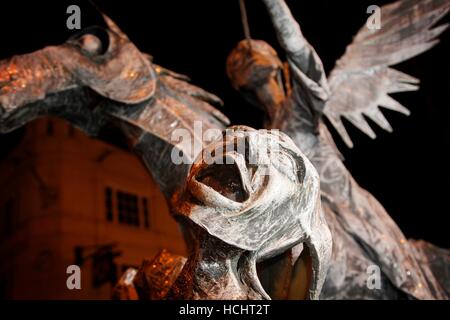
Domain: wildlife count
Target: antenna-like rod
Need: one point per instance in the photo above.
(245, 22)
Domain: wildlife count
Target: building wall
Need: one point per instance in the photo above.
(54, 198)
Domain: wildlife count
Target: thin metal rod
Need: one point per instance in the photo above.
(245, 22)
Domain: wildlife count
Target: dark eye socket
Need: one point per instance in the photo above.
(94, 40)
(225, 179)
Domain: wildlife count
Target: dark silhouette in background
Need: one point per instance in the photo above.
(407, 170)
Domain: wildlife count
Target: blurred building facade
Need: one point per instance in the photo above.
(63, 193)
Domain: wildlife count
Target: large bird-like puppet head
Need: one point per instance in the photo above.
(99, 79)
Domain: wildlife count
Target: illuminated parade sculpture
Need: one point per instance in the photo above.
(99, 81)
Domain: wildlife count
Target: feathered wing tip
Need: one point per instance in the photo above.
(403, 19)
(362, 79)
(373, 92)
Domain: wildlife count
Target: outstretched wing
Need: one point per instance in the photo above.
(362, 79)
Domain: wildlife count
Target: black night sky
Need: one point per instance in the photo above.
(408, 170)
